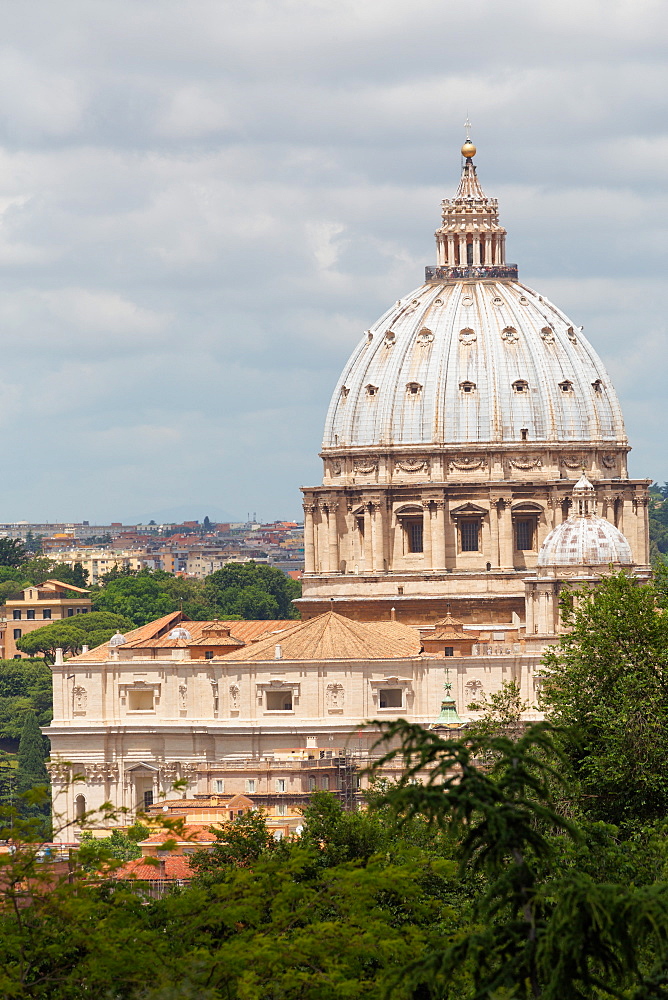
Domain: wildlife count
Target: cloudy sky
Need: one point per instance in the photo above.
(204, 204)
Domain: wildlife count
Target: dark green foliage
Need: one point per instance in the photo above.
(24, 684)
(12, 552)
(252, 590)
(607, 685)
(32, 778)
(71, 634)
(246, 590)
(658, 521)
(76, 575)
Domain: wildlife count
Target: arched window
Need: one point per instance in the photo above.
(80, 806)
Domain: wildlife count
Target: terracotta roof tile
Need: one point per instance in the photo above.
(155, 628)
(169, 869)
(331, 636)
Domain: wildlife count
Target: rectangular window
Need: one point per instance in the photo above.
(46, 613)
(312, 783)
(208, 654)
(390, 698)
(148, 799)
(325, 783)
(220, 785)
(414, 535)
(279, 701)
(280, 784)
(250, 786)
(470, 535)
(524, 534)
(281, 809)
(449, 650)
(17, 614)
(17, 633)
(70, 612)
(30, 614)
(140, 701)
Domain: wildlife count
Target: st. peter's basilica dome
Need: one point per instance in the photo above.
(476, 362)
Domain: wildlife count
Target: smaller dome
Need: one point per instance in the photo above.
(117, 640)
(180, 633)
(585, 541)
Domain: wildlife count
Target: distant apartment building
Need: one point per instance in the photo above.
(39, 605)
(99, 561)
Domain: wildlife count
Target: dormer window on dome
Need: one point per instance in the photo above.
(390, 337)
(510, 335)
(467, 386)
(413, 388)
(425, 336)
(371, 390)
(467, 335)
(597, 386)
(566, 386)
(521, 385)
(344, 391)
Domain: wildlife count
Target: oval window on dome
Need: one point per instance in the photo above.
(497, 300)
(413, 388)
(467, 301)
(524, 300)
(438, 302)
(371, 390)
(467, 335)
(566, 386)
(521, 385)
(467, 386)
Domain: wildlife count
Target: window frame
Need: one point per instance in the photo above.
(465, 526)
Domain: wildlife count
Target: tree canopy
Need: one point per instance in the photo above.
(70, 634)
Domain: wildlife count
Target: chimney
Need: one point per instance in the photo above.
(84, 649)
(393, 614)
(163, 868)
(278, 652)
(58, 662)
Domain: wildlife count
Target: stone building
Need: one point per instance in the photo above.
(474, 465)
(454, 437)
(37, 606)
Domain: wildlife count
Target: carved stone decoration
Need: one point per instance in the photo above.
(474, 690)
(335, 698)
(547, 333)
(467, 463)
(417, 465)
(365, 466)
(337, 468)
(183, 697)
(234, 697)
(526, 462)
(510, 335)
(104, 771)
(170, 770)
(467, 335)
(79, 700)
(572, 461)
(609, 461)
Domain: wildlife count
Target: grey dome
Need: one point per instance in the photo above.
(585, 541)
(473, 362)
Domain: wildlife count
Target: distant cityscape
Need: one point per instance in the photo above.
(190, 549)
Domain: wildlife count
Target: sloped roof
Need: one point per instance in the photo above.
(174, 868)
(149, 631)
(449, 628)
(191, 834)
(331, 636)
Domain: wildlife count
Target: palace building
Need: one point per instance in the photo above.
(474, 464)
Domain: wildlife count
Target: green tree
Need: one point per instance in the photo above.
(31, 774)
(252, 590)
(24, 685)
(606, 684)
(12, 552)
(76, 574)
(70, 634)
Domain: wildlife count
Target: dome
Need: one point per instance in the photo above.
(585, 541)
(180, 633)
(117, 640)
(473, 356)
(475, 362)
